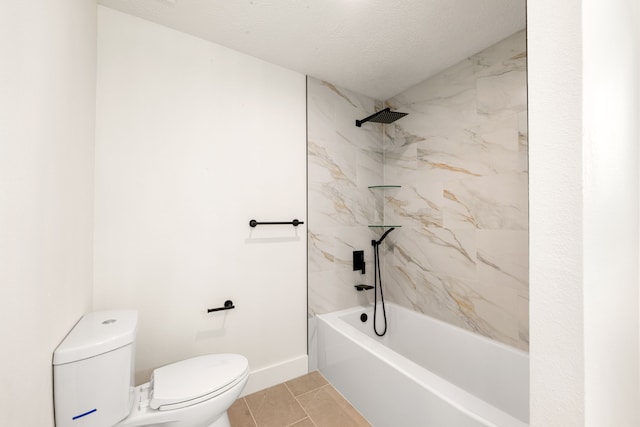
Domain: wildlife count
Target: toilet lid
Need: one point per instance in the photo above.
(191, 379)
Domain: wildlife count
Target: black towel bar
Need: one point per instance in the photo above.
(295, 223)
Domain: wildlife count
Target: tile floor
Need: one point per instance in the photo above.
(306, 401)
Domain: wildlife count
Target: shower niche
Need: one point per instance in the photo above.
(380, 194)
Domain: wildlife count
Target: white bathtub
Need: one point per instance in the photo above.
(423, 372)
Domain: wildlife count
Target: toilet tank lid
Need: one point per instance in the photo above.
(97, 333)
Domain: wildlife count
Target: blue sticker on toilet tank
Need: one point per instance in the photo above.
(85, 414)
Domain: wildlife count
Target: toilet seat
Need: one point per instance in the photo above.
(194, 380)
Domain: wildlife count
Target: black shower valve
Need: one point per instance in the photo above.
(358, 261)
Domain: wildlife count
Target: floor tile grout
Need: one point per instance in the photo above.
(305, 416)
(255, 422)
(295, 422)
(298, 402)
(311, 391)
(287, 386)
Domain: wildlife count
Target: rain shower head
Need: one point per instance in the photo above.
(382, 116)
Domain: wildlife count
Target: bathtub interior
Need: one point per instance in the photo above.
(495, 373)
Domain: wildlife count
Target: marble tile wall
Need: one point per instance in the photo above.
(460, 157)
(343, 160)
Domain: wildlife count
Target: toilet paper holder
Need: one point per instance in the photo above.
(228, 305)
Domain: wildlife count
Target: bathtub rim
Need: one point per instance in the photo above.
(454, 395)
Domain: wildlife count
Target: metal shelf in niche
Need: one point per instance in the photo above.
(383, 187)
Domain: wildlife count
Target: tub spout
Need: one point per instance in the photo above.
(363, 287)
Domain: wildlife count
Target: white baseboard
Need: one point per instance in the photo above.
(275, 374)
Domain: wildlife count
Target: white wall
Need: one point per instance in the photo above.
(583, 124)
(611, 138)
(47, 113)
(193, 140)
(555, 214)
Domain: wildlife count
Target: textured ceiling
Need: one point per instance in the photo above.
(374, 47)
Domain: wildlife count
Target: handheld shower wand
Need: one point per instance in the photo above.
(377, 242)
(377, 278)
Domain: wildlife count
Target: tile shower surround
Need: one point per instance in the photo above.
(461, 158)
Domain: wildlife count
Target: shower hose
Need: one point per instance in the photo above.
(377, 279)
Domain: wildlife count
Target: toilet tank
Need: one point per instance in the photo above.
(93, 370)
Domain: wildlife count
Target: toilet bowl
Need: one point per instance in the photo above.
(93, 380)
(191, 393)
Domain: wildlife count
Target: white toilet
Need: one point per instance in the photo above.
(93, 380)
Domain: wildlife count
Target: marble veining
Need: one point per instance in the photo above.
(343, 161)
(460, 157)
(466, 139)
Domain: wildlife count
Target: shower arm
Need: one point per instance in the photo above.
(366, 119)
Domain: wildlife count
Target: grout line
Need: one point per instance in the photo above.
(298, 402)
(308, 391)
(250, 412)
(304, 394)
(315, 390)
(297, 421)
(327, 385)
(289, 390)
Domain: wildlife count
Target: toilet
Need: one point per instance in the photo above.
(93, 380)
